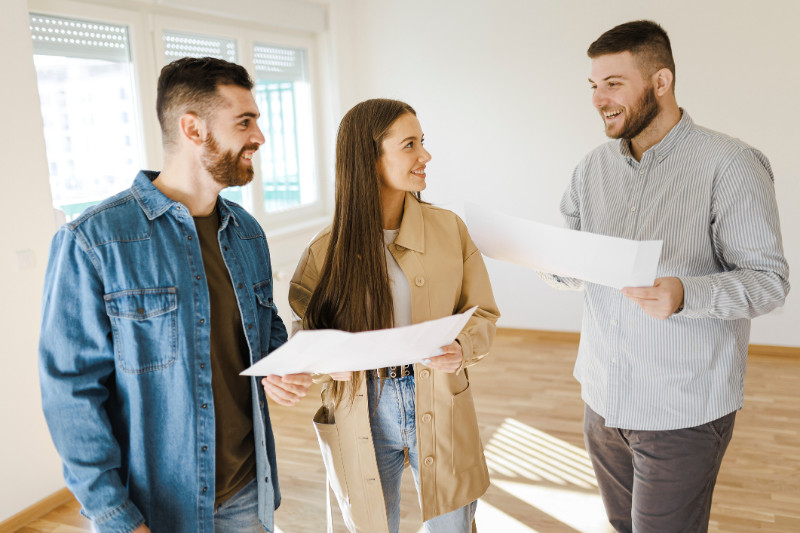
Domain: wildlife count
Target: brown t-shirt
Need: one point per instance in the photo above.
(233, 409)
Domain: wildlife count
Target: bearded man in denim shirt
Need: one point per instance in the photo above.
(154, 301)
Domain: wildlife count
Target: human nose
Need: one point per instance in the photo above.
(258, 137)
(599, 98)
(425, 156)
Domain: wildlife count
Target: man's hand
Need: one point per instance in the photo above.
(659, 301)
(286, 390)
(449, 360)
(141, 529)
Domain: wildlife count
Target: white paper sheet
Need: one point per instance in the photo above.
(328, 350)
(576, 254)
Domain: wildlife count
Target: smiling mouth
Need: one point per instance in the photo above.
(608, 115)
(419, 172)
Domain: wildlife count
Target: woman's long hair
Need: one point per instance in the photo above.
(354, 293)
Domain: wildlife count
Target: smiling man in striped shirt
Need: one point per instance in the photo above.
(662, 368)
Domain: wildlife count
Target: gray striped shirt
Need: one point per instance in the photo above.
(711, 199)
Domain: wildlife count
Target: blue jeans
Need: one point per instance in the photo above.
(239, 514)
(394, 428)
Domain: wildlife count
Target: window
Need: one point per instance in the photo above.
(284, 98)
(84, 73)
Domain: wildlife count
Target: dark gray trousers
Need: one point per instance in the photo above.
(657, 481)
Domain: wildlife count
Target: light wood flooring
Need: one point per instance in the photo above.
(530, 412)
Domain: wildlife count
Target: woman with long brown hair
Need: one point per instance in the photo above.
(391, 260)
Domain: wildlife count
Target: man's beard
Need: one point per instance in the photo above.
(639, 116)
(225, 167)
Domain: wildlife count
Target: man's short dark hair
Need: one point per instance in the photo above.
(189, 85)
(644, 39)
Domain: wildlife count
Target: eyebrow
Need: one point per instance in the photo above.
(609, 77)
(248, 114)
(412, 138)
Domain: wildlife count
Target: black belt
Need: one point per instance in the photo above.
(397, 371)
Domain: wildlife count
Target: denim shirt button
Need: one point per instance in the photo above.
(202, 365)
(249, 326)
(202, 320)
(239, 285)
(205, 489)
(189, 237)
(205, 448)
(197, 277)
(204, 406)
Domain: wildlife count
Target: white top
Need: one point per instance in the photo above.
(401, 291)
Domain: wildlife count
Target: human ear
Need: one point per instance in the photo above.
(192, 128)
(663, 81)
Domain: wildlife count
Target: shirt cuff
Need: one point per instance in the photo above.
(697, 297)
(122, 519)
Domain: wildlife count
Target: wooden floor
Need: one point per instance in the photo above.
(530, 413)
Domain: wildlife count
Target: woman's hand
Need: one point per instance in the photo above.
(449, 361)
(341, 376)
(286, 390)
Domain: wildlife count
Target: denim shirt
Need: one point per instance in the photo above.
(124, 359)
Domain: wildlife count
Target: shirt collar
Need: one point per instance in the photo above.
(666, 145)
(412, 227)
(155, 203)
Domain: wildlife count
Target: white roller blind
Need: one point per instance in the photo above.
(178, 45)
(279, 64)
(59, 36)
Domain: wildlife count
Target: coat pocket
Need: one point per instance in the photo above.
(144, 323)
(330, 446)
(467, 447)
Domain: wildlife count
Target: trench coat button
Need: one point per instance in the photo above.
(426, 417)
(419, 281)
(425, 373)
(372, 481)
(428, 461)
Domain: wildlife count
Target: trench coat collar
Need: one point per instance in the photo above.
(412, 227)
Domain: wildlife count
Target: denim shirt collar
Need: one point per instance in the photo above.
(155, 203)
(662, 149)
(412, 227)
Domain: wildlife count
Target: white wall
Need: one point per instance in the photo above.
(501, 91)
(29, 466)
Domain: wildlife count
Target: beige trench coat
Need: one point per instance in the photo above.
(447, 275)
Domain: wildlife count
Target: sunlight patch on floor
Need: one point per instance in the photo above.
(581, 511)
(519, 450)
(491, 519)
(547, 473)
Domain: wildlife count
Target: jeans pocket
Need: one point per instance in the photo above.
(466, 445)
(144, 324)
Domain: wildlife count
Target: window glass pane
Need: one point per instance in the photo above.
(283, 95)
(86, 88)
(178, 45)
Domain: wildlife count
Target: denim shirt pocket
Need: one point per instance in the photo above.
(144, 323)
(263, 291)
